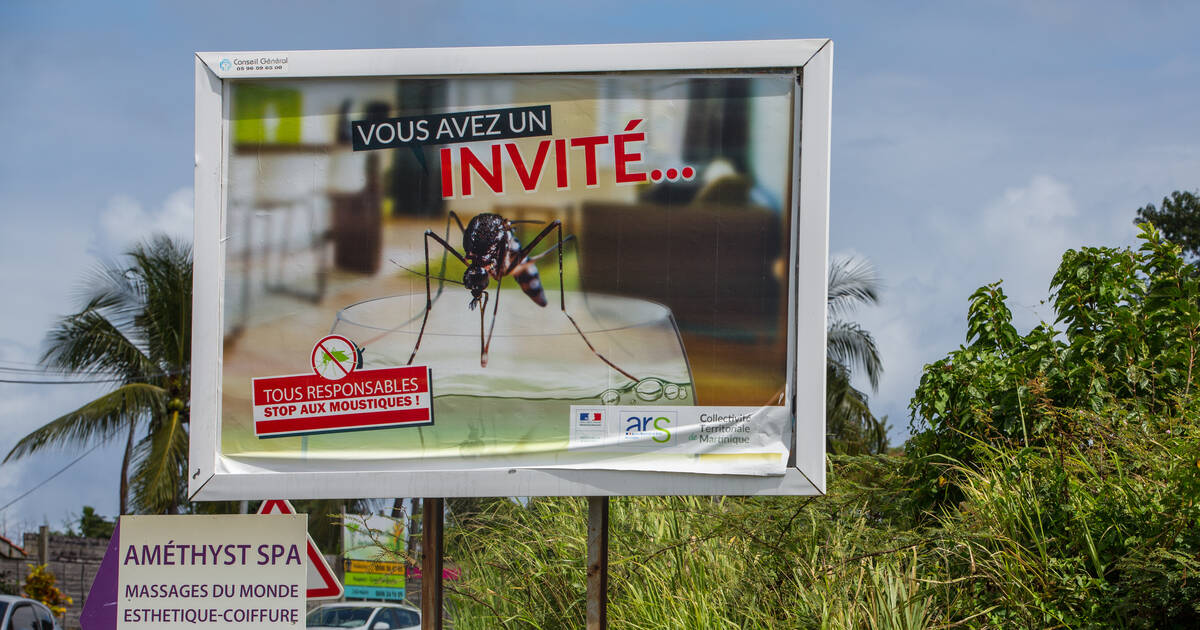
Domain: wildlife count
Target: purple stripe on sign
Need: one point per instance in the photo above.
(100, 608)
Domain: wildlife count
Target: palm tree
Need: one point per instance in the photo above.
(135, 329)
(851, 426)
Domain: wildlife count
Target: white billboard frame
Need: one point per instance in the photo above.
(214, 477)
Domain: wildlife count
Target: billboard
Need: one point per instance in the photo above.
(511, 271)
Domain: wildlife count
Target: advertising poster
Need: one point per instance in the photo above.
(511, 271)
(567, 271)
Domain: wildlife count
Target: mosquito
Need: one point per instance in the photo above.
(491, 251)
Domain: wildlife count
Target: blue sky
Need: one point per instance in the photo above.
(972, 142)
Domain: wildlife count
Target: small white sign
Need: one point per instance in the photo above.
(202, 572)
(252, 64)
(714, 440)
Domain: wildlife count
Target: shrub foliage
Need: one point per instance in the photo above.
(41, 585)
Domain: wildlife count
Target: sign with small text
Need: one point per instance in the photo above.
(202, 572)
(447, 128)
(308, 403)
(373, 549)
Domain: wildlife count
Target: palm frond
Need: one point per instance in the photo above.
(110, 285)
(160, 470)
(164, 276)
(135, 325)
(850, 425)
(852, 283)
(851, 346)
(102, 419)
(91, 343)
(112, 290)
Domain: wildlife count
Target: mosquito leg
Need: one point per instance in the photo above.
(428, 292)
(483, 358)
(562, 294)
(482, 343)
(442, 272)
(419, 274)
(441, 277)
(570, 237)
(512, 222)
(519, 258)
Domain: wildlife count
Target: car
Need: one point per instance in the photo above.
(20, 613)
(364, 616)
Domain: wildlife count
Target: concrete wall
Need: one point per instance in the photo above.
(74, 562)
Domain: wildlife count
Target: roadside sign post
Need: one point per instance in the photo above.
(597, 563)
(431, 565)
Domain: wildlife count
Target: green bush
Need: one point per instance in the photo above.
(1129, 337)
(1064, 462)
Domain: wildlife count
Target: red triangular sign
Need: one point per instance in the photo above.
(322, 583)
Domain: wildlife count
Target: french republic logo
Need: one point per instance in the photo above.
(590, 418)
(338, 396)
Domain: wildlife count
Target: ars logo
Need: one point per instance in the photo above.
(649, 427)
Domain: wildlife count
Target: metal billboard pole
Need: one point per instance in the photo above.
(597, 563)
(431, 565)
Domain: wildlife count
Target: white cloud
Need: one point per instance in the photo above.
(1044, 201)
(125, 222)
(1027, 230)
(1018, 236)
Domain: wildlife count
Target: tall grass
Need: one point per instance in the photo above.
(694, 562)
(1097, 530)
(1100, 531)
